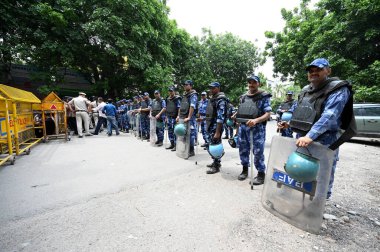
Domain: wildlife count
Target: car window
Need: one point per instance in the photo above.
(356, 111)
(374, 111)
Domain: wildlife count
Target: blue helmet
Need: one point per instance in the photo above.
(180, 129)
(230, 122)
(302, 167)
(216, 150)
(286, 116)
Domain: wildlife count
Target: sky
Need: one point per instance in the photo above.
(248, 19)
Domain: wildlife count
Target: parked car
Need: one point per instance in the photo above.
(367, 117)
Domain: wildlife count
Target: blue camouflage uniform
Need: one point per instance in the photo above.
(121, 116)
(145, 122)
(221, 107)
(127, 108)
(258, 132)
(171, 121)
(134, 106)
(287, 132)
(118, 114)
(140, 121)
(193, 120)
(160, 126)
(326, 129)
(202, 114)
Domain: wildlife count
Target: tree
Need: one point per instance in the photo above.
(224, 58)
(95, 37)
(346, 32)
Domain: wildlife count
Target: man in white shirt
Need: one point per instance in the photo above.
(81, 106)
(102, 117)
(94, 114)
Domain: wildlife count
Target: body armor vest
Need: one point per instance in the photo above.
(287, 105)
(156, 107)
(248, 109)
(171, 107)
(144, 105)
(309, 108)
(185, 105)
(211, 110)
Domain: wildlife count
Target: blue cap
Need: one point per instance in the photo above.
(156, 91)
(289, 93)
(214, 84)
(204, 93)
(253, 77)
(320, 63)
(171, 88)
(146, 94)
(190, 82)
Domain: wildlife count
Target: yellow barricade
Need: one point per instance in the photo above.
(21, 119)
(54, 118)
(6, 147)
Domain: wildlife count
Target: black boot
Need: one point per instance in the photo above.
(157, 142)
(214, 169)
(171, 146)
(191, 152)
(259, 179)
(244, 173)
(204, 145)
(226, 137)
(174, 149)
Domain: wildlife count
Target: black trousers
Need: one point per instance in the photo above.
(101, 120)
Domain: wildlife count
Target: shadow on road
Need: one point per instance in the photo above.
(366, 141)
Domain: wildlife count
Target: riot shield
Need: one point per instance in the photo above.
(131, 120)
(183, 142)
(152, 134)
(299, 203)
(137, 124)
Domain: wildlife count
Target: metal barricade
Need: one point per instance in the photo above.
(54, 118)
(6, 147)
(21, 118)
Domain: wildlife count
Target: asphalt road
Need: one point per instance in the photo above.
(120, 194)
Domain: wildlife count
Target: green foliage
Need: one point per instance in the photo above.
(122, 47)
(366, 94)
(344, 31)
(224, 58)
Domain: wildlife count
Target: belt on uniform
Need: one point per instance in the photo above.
(202, 114)
(95, 112)
(80, 110)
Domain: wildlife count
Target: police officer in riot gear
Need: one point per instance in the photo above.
(158, 109)
(173, 103)
(201, 117)
(188, 111)
(144, 110)
(215, 117)
(323, 108)
(285, 107)
(252, 114)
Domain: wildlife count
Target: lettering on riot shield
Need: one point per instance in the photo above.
(285, 179)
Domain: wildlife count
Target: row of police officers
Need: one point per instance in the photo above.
(323, 108)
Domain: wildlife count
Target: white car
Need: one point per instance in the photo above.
(367, 117)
